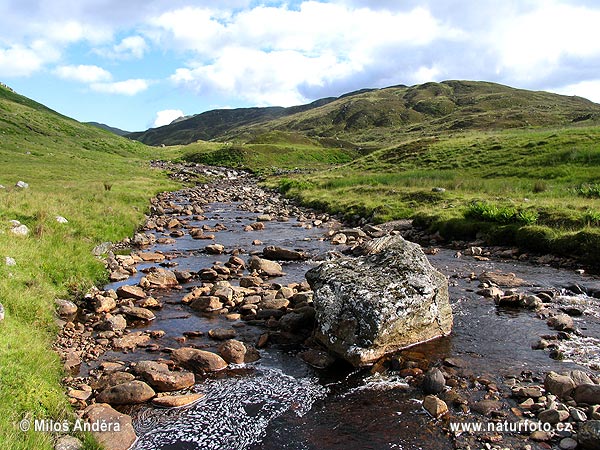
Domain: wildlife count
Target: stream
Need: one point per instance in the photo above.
(280, 402)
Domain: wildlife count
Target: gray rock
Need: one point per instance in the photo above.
(233, 351)
(580, 377)
(434, 381)
(127, 393)
(20, 230)
(553, 416)
(10, 262)
(587, 393)
(114, 322)
(61, 219)
(588, 435)
(68, 443)
(577, 415)
(21, 185)
(102, 249)
(561, 322)
(388, 299)
(567, 444)
(1, 312)
(65, 307)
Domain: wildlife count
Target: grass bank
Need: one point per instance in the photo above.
(539, 189)
(69, 168)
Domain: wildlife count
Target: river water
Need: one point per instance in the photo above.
(279, 402)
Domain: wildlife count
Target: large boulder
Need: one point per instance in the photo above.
(385, 300)
(119, 434)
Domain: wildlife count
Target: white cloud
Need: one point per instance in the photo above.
(589, 89)
(167, 116)
(19, 61)
(127, 87)
(134, 46)
(83, 73)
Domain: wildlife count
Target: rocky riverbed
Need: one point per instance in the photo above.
(204, 338)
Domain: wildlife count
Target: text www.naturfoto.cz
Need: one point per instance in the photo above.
(525, 426)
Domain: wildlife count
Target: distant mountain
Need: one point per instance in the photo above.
(371, 117)
(113, 130)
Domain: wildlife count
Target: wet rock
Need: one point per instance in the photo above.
(540, 436)
(119, 275)
(531, 302)
(207, 303)
(378, 303)
(65, 307)
(130, 341)
(559, 385)
(580, 377)
(303, 318)
(183, 276)
(567, 444)
(232, 351)
(317, 358)
(265, 267)
(176, 401)
(501, 279)
(588, 435)
(561, 322)
(159, 377)
(274, 303)
(199, 361)
(150, 303)
(434, 381)
(339, 239)
(159, 279)
(222, 334)
(553, 416)
(282, 254)
(138, 313)
(143, 239)
(491, 292)
(131, 392)
(577, 415)
(587, 394)
(134, 292)
(435, 406)
(486, 407)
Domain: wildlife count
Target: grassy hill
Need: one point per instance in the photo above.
(69, 167)
(376, 118)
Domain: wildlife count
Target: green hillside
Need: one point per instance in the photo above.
(69, 167)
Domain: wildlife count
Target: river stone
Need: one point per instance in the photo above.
(112, 379)
(567, 444)
(222, 334)
(158, 376)
(388, 299)
(127, 291)
(435, 406)
(233, 351)
(151, 256)
(102, 303)
(433, 381)
(588, 394)
(199, 361)
(65, 307)
(317, 358)
(265, 267)
(160, 279)
(130, 341)
(131, 392)
(282, 254)
(176, 401)
(580, 377)
(113, 439)
(113, 322)
(559, 385)
(561, 322)
(136, 312)
(501, 279)
(588, 435)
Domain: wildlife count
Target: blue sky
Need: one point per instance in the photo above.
(135, 64)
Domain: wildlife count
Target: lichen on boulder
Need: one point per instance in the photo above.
(385, 300)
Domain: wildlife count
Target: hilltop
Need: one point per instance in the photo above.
(373, 118)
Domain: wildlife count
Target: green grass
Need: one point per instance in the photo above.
(66, 165)
(496, 183)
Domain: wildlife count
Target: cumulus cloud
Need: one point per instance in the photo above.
(275, 55)
(18, 61)
(83, 73)
(167, 116)
(127, 87)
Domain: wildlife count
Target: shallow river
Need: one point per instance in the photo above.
(281, 403)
